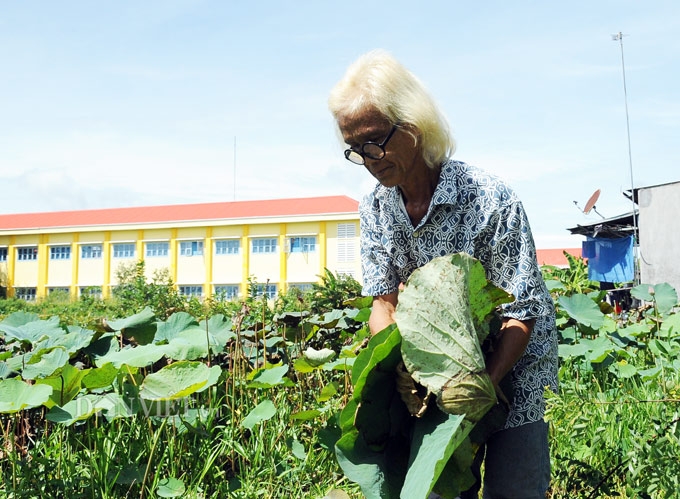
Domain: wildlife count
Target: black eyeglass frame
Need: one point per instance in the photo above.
(361, 155)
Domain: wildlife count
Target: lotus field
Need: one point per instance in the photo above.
(150, 394)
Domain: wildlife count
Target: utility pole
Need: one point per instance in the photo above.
(618, 37)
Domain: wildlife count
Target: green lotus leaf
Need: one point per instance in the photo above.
(440, 329)
(75, 340)
(170, 487)
(582, 309)
(140, 356)
(317, 358)
(471, 394)
(65, 386)
(140, 327)
(263, 411)
(270, 377)
(179, 380)
(17, 395)
(100, 377)
(29, 328)
(80, 408)
(176, 323)
(45, 363)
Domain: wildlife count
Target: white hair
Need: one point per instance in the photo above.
(378, 80)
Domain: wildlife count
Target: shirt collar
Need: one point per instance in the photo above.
(445, 192)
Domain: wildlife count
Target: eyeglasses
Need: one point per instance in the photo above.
(370, 150)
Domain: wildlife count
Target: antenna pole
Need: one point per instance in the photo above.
(234, 167)
(619, 37)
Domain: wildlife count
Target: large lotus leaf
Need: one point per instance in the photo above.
(317, 358)
(379, 348)
(263, 411)
(170, 487)
(484, 297)
(28, 328)
(220, 331)
(373, 448)
(176, 323)
(191, 344)
(671, 326)
(663, 294)
(438, 326)
(374, 389)
(583, 309)
(471, 394)
(435, 438)
(80, 409)
(4, 370)
(269, 377)
(100, 377)
(75, 340)
(17, 395)
(65, 386)
(179, 380)
(140, 356)
(140, 327)
(19, 319)
(379, 474)
(45, 363)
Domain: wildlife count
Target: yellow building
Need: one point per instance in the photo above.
(208, 248)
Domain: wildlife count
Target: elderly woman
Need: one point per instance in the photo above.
(427, 205)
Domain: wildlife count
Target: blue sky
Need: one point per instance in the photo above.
(129, 103)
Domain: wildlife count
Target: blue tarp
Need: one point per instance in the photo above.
(609, 260)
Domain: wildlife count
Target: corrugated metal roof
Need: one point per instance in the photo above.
(325, 205)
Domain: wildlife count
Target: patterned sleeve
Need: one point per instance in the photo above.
(379, 276)
(509, 256)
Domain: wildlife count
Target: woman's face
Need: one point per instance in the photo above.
(402, 153)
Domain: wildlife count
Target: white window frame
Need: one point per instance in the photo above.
(302, 244)
(93, 291)
(124, 250)
(264, 245)
(191, 290)
(227, 247)
(26, 293)
(27, 253)
(3, 253)
(227, 291)
(61, 252)
(270, 290)
(90, 251)
(156, 248)
(191, 248)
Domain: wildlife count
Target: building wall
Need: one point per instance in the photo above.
(336, 247)
(659, 229)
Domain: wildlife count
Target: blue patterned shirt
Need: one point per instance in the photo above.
(477, 213)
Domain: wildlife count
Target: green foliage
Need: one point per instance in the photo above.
(333, 291)
(104, 399)
(134, 292)
(568, 281)
(443, 316)
(150, 406)
(616, 422)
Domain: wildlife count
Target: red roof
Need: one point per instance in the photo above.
(556, 257)
(182, 213)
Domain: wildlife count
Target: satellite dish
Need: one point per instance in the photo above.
(590, 205)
